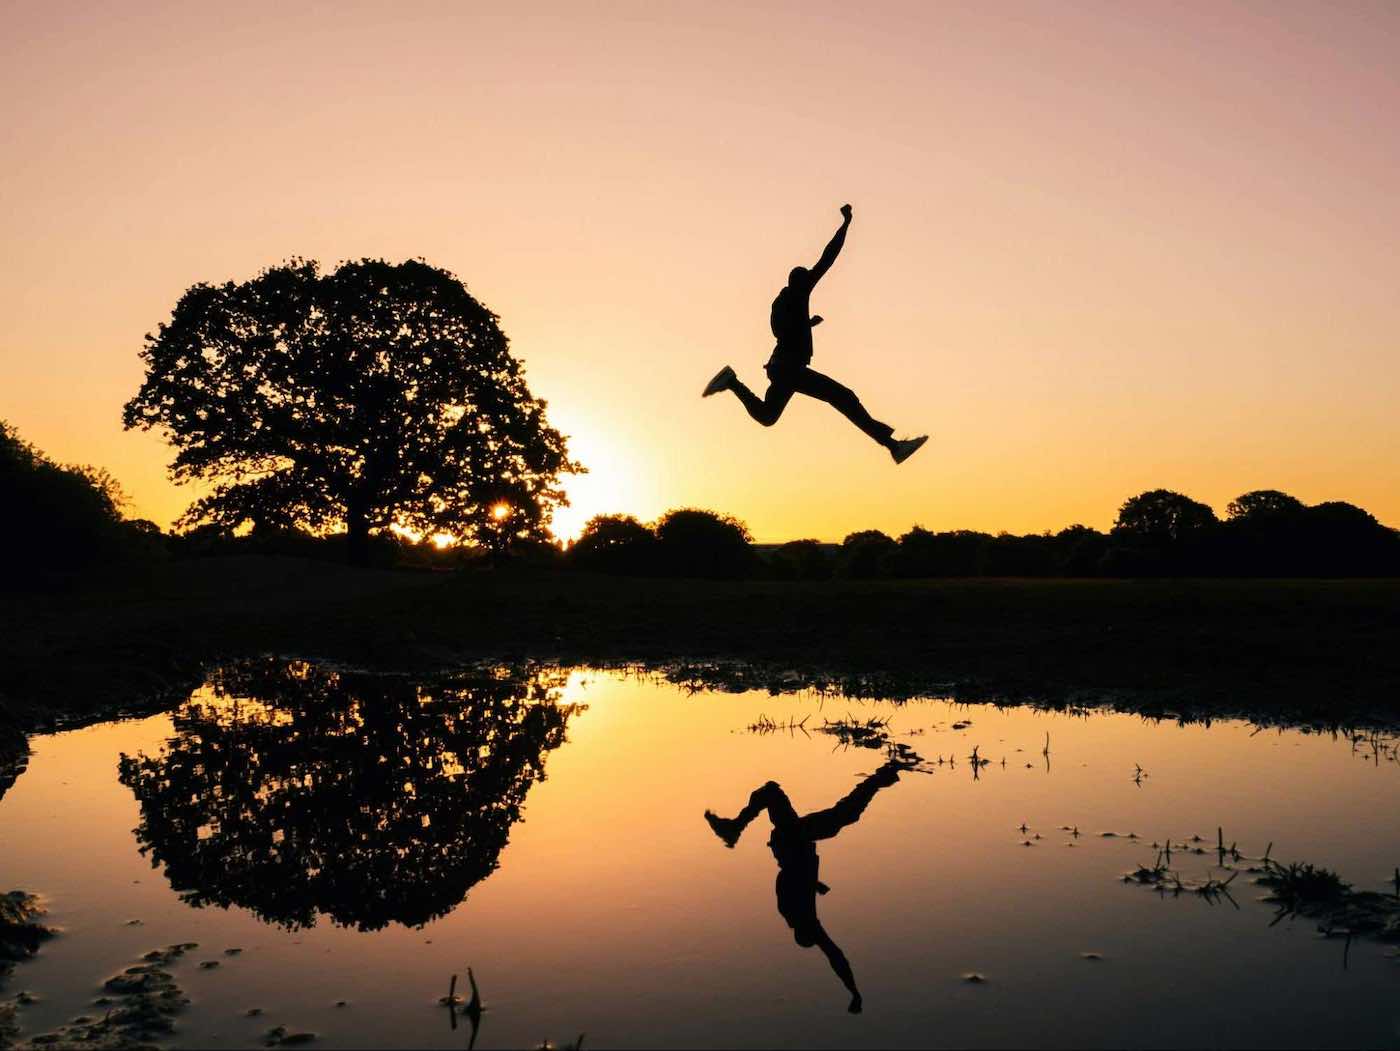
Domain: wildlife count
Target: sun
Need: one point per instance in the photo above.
(500, 511)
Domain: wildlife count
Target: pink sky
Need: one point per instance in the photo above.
(1098, 248)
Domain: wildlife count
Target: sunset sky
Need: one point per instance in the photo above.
(1098, 247)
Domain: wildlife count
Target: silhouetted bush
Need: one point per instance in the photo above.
(1338, 539)
(1007, 555)
(801, 560)
(694, 543)
(62, 520)
(1077, 552)
(959, 553)
(615, 544)
(866, 555)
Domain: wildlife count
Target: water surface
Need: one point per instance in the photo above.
(363, 838)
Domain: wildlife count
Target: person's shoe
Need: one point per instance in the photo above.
(723, 378)
(902, 450)
(727, 828)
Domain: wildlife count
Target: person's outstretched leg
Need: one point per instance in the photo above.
(843, 400)
(824, 824)
(842, 967)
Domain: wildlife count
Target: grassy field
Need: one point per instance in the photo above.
(1314, 649)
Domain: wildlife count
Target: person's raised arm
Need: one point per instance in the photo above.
(833, 247)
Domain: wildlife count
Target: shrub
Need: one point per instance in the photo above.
(801, 560)
(60, 520)
(615, 544)
(866, 555)
(695, 543)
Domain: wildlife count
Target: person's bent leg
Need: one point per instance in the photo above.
(767, 409)
(769, 797)
(815, 385)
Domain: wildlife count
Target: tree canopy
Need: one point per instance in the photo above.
(1163, 516)
(371, 395)
(1262, 503)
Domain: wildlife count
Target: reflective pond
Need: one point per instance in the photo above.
(338, 845)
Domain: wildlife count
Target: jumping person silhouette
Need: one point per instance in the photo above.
(788, 369)
(794, 845)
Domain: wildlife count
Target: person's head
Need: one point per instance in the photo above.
(799, 277)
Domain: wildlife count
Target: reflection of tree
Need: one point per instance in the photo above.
(292, 789)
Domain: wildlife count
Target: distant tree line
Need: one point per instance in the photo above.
(67, 521)
(1266, 533)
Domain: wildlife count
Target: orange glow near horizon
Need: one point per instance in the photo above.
(1097, 249)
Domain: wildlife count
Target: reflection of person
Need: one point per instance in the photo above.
(789, 370)
(793, 843)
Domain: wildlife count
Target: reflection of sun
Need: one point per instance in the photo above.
(500, 511)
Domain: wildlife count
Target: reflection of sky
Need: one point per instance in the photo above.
(615, 911)
(1098, 247)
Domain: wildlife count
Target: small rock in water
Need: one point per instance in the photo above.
(1090, 956)
(278, 1036)
(252, 1012)
(341, 1003)
(208, 965)
(975, 977)
(133, 923)
(232, 952)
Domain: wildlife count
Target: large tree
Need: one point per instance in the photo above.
(372, 395)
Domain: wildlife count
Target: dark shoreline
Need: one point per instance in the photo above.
(1293, 651)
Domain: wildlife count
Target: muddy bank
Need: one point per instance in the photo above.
(21, 934)
(14, 754)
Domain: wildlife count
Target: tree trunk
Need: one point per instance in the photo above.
(357, 530)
